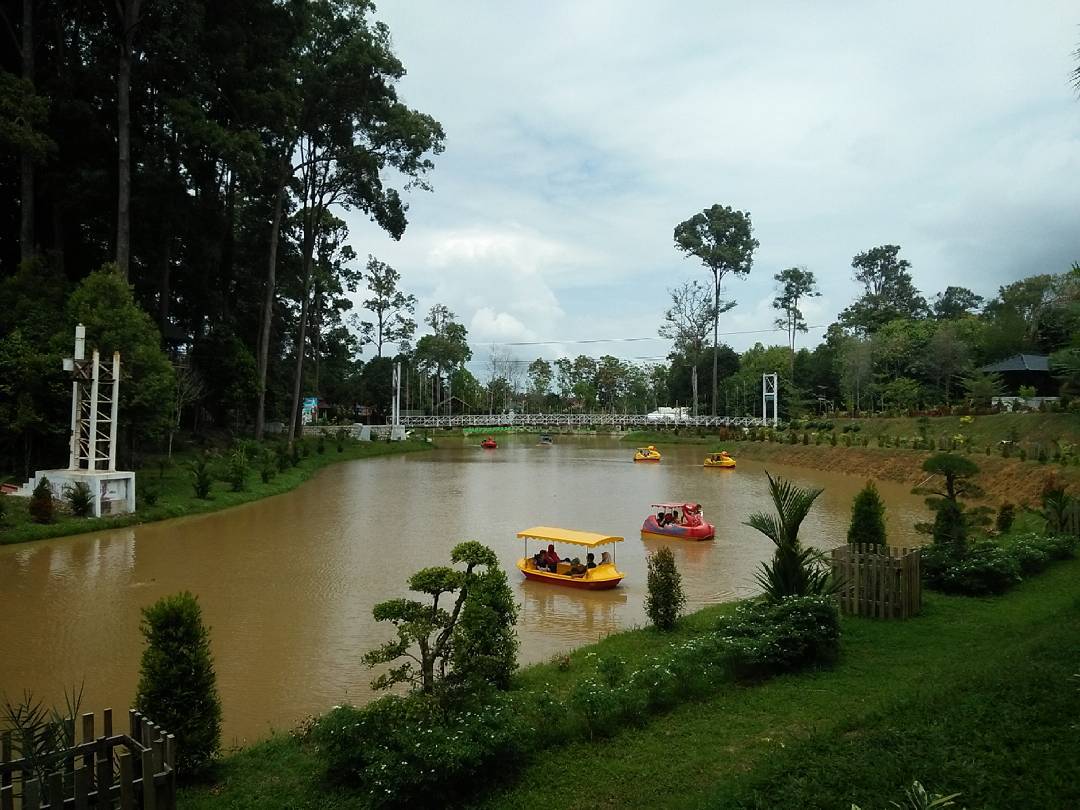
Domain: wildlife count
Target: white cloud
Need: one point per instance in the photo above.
(578, 134)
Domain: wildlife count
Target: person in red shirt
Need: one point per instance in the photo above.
(552, 558)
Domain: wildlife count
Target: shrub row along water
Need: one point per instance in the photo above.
(990, 567)
(400, 749)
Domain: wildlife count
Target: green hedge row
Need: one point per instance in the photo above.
(399, 750)
(991, 567)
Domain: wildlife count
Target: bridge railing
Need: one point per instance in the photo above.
(576, 420)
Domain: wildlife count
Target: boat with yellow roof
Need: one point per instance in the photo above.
(602, 577)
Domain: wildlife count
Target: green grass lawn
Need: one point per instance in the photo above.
(978, 696)
(176, 497)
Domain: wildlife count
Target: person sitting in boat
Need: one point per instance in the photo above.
(539, 560)
(552, 559)
(692, 515)
(661, 518)
(590, 560)
(605, 559)
(577, 570)
(675, 518)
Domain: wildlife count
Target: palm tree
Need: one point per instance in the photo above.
(793, 570)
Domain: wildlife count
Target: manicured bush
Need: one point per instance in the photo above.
(177, 684)
(80, 499)
(665, 599)
(485, 645)
(41, 502)
(149, 494)
(985, 569)
(867, 517)
(832, 439)
(775, 637)
(404, 751)
(1005, 517)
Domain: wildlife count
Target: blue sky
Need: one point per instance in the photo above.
(580, 133)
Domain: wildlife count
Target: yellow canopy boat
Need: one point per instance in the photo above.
(721, 459)
(649, 453)
(602, 577)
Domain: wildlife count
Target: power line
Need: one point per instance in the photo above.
(621, 340)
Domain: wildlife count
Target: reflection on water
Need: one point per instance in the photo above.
(287, 584)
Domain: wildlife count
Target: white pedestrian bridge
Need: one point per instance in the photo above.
(572, 420)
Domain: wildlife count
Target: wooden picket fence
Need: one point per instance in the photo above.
(876, 584)
(125, 771)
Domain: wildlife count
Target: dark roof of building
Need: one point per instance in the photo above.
(1021, 362)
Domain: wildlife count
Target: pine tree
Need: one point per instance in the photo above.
(867, 518)
(666, 599)
(177, 684)
(41, 502)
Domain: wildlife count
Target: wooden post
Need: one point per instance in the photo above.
(56, 790)
(88, 736)
(127, 780)
(104, 780)
(149, 790)
(31, 795)
(82, 789)
(106, 722)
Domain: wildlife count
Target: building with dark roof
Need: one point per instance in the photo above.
(1025, 369)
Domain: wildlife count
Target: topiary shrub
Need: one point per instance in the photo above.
(403, 751)
(1005, 517)
(832, 439)
(177, 684)
(986, 569)
(769, 638)
(868, 518)
(42, 509)
(665, 599)
(485, 645)
(80, 499)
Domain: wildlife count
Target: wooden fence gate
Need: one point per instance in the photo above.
(1070, 524)
(878, 584)
(126, 771)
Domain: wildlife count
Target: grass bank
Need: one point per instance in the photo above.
(172, 481)
(1003, 479)
(978, 696)
(974, 695)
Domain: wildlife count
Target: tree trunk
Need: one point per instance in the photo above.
(26, 162)
(129, 15)
(268, 306)
(305, 306)
(715, 335)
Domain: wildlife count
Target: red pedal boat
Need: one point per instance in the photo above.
(489, 443)
(683, 520)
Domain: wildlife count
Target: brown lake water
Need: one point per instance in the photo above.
(287, 584)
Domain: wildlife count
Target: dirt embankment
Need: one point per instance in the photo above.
(1002, 479)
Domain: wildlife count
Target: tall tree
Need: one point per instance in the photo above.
(392, 308)
(540, 376)
(888, 291)
(688, 319)
(796, 283)
(127, 12)
(722, 239)
(955, 302)
(446, 348)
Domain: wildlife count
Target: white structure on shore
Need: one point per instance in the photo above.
(95, 400)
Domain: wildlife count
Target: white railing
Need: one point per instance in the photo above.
(576, 420)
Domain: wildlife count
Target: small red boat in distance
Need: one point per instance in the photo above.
(683, 520)
(489, 443)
